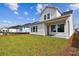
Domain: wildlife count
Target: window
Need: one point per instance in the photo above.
(48, 16)
(34, 29)
(20, 29)
(44, 17)
(53, 28)
(60, 27)
(31, 29)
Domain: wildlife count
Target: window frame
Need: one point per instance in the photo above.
(58, 28)
(44, 17)
(48, 16)
(54, 28)
(34, 29)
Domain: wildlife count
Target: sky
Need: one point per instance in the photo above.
(12, 14)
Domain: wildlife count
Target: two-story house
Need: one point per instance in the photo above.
(53, 22)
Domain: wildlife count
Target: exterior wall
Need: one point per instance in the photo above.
(53, 13)
(12, 30)
(57, 13)
(70, 26)
(25, 29)
(20, 30)
(41, 29)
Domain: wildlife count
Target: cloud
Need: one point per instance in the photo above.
(15, 12)
(28, 19)
(40, 7)
(74, 6)
(12, 6)
(46, 5)
(33, 19)
(19, 17)
(26, 13)
(6, 23)
(31, 7)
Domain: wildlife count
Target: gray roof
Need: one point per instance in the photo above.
(26, 25)
(67, 12)
(17, 26)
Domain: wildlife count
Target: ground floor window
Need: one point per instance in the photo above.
(57, 28)
(60, 28)
(53, 28)
(34, 29)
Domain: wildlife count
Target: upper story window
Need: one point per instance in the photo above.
(48, 16)
(44, 17)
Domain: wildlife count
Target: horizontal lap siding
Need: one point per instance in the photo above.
(40, 30)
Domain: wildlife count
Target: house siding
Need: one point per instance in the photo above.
(40, 30)
(25, 29)
(69, 26)
(12, 30)
(53, 13)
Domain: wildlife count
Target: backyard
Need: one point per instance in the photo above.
(31, 45)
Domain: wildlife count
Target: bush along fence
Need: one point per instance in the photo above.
(73, 44)
(74, 40)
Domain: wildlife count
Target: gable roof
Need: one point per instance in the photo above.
(51, 8)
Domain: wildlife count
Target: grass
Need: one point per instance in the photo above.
(31, 45)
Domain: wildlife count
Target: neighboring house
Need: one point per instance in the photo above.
(20, 28)
(3, 30)
(53, 22)
(15, 28)
(25, 28)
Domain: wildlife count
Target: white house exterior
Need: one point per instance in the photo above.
(19, 28)
(15, 29)
(53, 22)
(25, 28)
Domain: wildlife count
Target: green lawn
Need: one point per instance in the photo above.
(30, 45)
